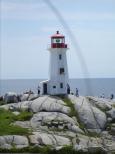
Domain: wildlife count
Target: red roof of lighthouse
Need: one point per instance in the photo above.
(57, 35)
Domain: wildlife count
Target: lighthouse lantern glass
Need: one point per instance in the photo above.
(57, 40)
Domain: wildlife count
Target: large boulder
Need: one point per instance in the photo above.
(43, 103)
(111, 113)
(24, 97)
(92, 117)
(11, 97)
(54, 120)
(101, 103)
(48, 103)
(41, 138)
(11, 141)
(20, 106)
(28, 97)
(44, 117)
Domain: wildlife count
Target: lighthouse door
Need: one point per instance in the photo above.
(45, 88)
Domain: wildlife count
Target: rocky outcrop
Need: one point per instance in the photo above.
(92, 118)
(53, 120)
(50, 104)
(11, 97)
(105, 143)
(86, 143)
(111, 113)
(28, 97)
(40, 138)
(44, 103)
(11, 141)
(102, 104)
(86, 123)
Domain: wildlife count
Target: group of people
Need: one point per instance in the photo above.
(76, 91)
(111, 96)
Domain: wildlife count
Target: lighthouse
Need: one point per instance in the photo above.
(58, 70)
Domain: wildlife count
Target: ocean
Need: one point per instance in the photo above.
(93, 86)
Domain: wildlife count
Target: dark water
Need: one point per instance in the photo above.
(94, 87)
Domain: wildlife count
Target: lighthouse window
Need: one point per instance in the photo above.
(61, 85)
(54, 87)
(60, 56)
(61, 70)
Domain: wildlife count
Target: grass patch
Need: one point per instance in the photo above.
(24, 115)
(71, 105)
(48, 150)
(6, 128)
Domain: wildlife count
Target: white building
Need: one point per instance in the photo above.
(58, 79)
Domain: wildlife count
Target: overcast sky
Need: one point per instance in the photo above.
(26, 27)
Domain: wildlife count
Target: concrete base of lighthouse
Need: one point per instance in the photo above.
(52, 88)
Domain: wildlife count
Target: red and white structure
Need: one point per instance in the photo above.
(58, 78)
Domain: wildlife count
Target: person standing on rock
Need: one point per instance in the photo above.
(38, 90)
(68, 89)
(77, 92)
(111, 96)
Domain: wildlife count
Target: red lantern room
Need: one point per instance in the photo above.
(58, 41)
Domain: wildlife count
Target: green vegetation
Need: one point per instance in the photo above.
(6, 120)
(48, 150)
(73, 111)
(24, 115)
(113, 105)
(71, 105)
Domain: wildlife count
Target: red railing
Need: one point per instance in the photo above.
(58, 45)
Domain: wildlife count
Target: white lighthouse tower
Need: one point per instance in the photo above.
(58, 74)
